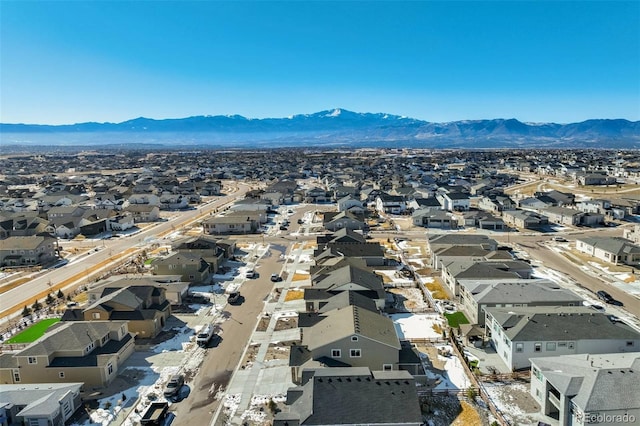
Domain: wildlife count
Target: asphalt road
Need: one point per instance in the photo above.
(226, 354)
(538, 247)
(85, 265)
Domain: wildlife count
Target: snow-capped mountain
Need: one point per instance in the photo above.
(335, 126)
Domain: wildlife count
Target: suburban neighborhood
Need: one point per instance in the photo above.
(320, 287)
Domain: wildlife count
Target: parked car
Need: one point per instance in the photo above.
(560, 239)
(283, 228)
(605, 297)
(234, 298)
(204, 335)
(155, 414)
(173, 386)
(250, 273)
(300, 221)
(276, 278)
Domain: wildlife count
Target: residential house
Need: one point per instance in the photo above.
(39, 404)
(190, 266)
(143, 212)
(348, 337)
(349, 277)
(334, 221)
(524, 219)
(453, 272)
(317, 196)
(518, 334)
(145, 307)
(454, 201)
(349, 202)
(169, 201)
(175, 290)
(390, 204)
(434, 218)
(448, 254)
(596, 179)
(347, 395)
(476, 295)
(232, 224)
(371, 253)
(71, 352)
(563, 215)
(31, 250)
(587, 388)
(614, 250)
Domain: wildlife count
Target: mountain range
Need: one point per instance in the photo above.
(337, 127)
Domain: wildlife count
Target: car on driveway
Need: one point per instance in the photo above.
(173, 386)
(276, 278)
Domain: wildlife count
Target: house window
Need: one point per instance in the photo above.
(537, 373)
(90, 347)
(34, 422)
(66, 408)
(629, 343)
(562, 345)
(16, 376)
(96, 315)
(61, 374)
(538, 393)
(387, 367)
(192, 277)
(537, 347)
(32, 360)
(570, 345)
(355, 353)
(336, 353)
(109, 368)
(551, 346)
(105, 339)
(355, 339)
(519, 347)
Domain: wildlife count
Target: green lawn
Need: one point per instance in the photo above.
(455, 319)
(149, 261)
(34, 332)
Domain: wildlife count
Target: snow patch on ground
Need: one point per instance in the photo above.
(417, 326)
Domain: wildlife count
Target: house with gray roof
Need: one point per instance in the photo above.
(430, 217)
(614, 250)
(39, 404)
(318, 300)
(468, 253)
(70, 352)
(563, 215)
(349, 336)
(190, 266)
(144, 306)
(351, 278)
(350, 396)
(524, 219)
(519, 333)
(476, 295)
(371, 253)
(439, 241)
(587, 388)
(28, 250)
(456, 270)
(175, 290)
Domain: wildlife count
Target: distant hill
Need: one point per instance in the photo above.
(337, 127)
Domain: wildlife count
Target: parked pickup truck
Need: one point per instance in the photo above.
(204, 335)
(155, 414)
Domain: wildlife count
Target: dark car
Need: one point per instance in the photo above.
(605, 297)
(283, 228)
(276, 278)
(234, 298)
(174, 385)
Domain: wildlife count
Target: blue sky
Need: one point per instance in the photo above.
(76, 61)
